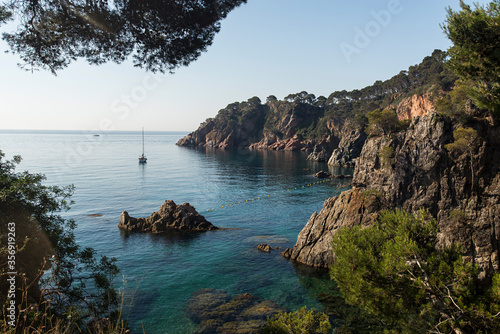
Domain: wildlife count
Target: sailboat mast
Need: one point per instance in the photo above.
(142, 141)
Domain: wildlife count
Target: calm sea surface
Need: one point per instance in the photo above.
(161, 272)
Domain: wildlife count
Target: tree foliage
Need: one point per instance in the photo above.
(465, 140)
(475, 54)
(5, 15)
(383, 122)
(394, 271)
(52, 270)
(160, 35)
(456, 104)
(302, 321)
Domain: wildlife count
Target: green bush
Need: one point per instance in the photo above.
(394, 271)
(384, 122)
(299, 322)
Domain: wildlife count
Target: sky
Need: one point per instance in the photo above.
(265, 47)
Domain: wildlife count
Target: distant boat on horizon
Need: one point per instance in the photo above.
(142, 158)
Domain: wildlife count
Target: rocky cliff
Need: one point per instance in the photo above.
(462, 190)
(349, 148)
(330, 129)
(282, 125)
(413, 106)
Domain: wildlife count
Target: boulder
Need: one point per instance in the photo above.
(170, 216)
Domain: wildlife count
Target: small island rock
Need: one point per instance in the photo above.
(170, 216)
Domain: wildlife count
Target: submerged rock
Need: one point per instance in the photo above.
(216, 312)
(170, 216)
(264, 248)
(322, 175)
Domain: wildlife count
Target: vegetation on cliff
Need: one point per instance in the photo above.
(395, 271)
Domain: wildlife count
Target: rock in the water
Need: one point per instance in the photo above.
(342, 176)
(170, 216)
(264, 248)
(216, 312)
(322, 175)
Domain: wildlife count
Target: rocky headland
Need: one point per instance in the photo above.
(460, 189)
(170, 216)
(329, 129)
(281, 126)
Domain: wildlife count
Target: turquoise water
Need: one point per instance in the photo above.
(162, 271)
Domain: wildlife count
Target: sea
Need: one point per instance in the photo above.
(257, 196)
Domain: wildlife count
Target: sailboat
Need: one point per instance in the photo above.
(142, 158)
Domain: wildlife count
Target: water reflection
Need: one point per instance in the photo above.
(166, 239)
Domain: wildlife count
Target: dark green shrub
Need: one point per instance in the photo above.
(302, 321)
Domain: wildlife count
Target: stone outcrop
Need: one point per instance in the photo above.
(215, 311)
(415, 106)
(169, 217)
(461, 191)
(313, 245)
(323, 150)
(349, 148)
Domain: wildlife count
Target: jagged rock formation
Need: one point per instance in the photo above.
(349, 148)
(461, 191)
(170, 216)
(323, 150)
(216, 312)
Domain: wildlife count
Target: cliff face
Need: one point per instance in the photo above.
(416, 105)
(461, 191)
(291, 126)
(238, 125)
(349, 148)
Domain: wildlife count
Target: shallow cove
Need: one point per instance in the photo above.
(162, 271)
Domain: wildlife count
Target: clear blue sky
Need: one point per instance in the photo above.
(265, 47)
